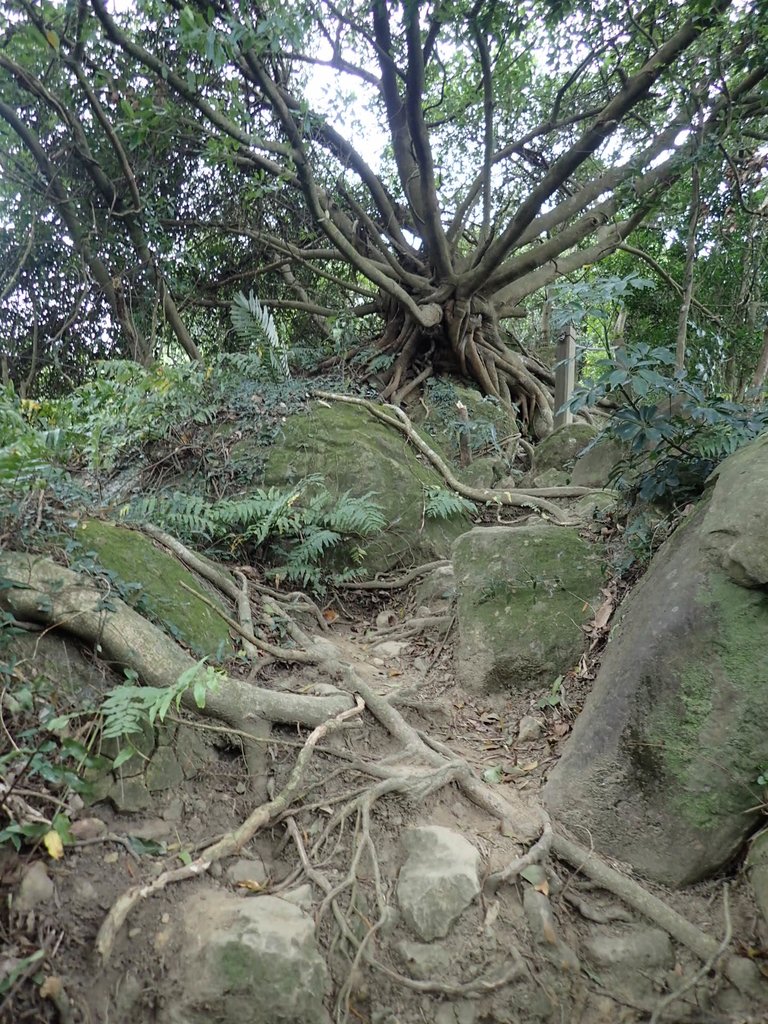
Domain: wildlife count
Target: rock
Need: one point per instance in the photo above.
(191, 750)
(154, 577)
(757, 872)
(437, 589)
(438, 881)
(637, 948)
(36, 888)
(482, 472)
(130, 795)
(661, 763)
(489, 422)
(523, 594)
(302, 897)
(163, 771)
(562, 446)
(390, 648)
(595, 506)
(88, 828)
(174, 812)
(251, 960)
(594, 468)
(247, 870)
(530, 728)
(424, 959)
(385, 619)
(354, 452)
(551, 478)
(541, 921)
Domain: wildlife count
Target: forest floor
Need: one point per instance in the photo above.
(570, 979)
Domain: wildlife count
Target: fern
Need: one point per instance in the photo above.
(442, 504)
(127, 708)
(255, 326)
(297, 528)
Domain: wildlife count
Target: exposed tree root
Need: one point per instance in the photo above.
(743, 973)
(535, 498)
(401, 581)
(42, 591)
(231, 843)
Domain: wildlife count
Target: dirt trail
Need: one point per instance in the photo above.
(587, 958)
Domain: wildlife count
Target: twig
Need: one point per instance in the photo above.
(537, 853)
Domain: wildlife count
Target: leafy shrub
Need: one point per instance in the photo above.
(673, 431)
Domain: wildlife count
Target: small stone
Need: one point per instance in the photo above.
(130, 795)
(36, 887)
(133, 933)
(385, 619)
(438, 881)
(150, 828)
(423, 612)
(390, 648)
(241, 788)
(530, 728)
(83, 889)
(88, 828)
(174, 812)
(112, 857)
(300, 897)
(246, 870)
(378, 662)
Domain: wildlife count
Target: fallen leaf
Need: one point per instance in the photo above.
(493, 775)
(530, 766)
(250, 885)
(330, 615)
(53, 844)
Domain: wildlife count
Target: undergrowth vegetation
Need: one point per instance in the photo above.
(673, 430)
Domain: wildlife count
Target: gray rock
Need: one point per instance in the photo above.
(354, 452)
(530, 728)
(594, 468)
(661, 763)
(561, 447)
(251, 960)
(757, 872)
(130, 795)
(523, 594)
(438, 881)
(437, 589)
(191, 750)
(638, 947)
(247, 870)
(163, 771)
(36, 888)
(424, 959)
(390, 648)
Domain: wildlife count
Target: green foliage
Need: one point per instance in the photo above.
(674, 431)
(440, 503)
(255, 327)
(127, 708)
(296, 527)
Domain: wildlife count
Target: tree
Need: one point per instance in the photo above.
(518, 153)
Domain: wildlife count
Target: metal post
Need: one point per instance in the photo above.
(565, 375)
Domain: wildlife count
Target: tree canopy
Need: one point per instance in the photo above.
(400, 179)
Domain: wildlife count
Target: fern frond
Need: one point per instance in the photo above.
(255, 326)
(442, 504)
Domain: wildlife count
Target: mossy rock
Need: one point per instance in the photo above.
(149, 579)
(562, 446)
(354, 452)
(662, 763)
(523, 595)
(489, 421)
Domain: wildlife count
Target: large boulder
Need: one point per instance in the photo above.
(662, 763)
(352, 451)
(149, 579)
(522, 596)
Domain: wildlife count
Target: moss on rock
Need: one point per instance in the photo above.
(522, 596)
(150, 580)
(353, 452)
